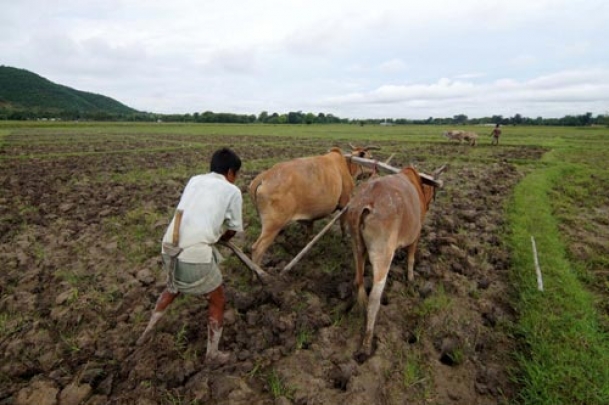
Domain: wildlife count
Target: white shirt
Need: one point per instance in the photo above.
(210, 204)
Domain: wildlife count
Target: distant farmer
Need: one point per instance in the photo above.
(495, 134)
(209, 211)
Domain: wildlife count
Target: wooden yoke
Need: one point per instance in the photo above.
(427, 179)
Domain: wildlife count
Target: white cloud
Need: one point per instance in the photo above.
(351, 58)
(578, 90)
(523, 61)
(392, 66)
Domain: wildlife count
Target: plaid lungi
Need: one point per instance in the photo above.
(193, 278)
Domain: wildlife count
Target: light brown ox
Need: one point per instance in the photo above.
(454, 135)
(470, 137)
(385, 214)
(303, 189)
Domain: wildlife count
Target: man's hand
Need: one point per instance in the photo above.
(228, 235)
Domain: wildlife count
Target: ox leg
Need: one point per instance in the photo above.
(265, 240)
(343, 227)
(360, 262)
(380, 267)
(373, 307)
(411, 253)
(308, 228)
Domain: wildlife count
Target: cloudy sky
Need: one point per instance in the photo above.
(351, 58)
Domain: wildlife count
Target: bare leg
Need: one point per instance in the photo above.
(162, 303)
(215, 322)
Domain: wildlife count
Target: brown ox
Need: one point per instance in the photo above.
(470, 137)
(454, 135)
(386, 213)
(303, 189)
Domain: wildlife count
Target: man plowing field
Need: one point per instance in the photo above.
(209, 211)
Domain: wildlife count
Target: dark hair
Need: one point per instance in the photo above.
(223, 160)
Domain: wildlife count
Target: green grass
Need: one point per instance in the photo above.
(435, 303)
(277, 386)
(565, 353)
(413, 372)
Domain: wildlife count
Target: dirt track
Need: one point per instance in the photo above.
(79, 241)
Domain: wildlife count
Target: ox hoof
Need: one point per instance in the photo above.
(265, 278)
(143, 339)
(361, 355)
(217, 359)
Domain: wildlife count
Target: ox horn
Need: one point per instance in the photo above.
(439, 170)
(352, 146)
(367, 148)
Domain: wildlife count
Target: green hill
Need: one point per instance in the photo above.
(24, 92)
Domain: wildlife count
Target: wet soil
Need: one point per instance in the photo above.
(79, 243)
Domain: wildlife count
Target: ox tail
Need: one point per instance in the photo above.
(360, 250)
(357, 222)
(253, 190)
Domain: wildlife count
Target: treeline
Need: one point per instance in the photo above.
(581, 120)
(20, 114)
(293, 117)
(297, 117)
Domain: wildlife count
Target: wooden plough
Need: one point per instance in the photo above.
(306, 249)
(262, 275)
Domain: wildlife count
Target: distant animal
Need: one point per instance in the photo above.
(303, 189)
(470, 137)
(386, 213)
(454, 135)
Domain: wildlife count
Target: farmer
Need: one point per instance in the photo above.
(495, 134)
(211, 206)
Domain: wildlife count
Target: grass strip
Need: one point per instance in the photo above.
(565, 355)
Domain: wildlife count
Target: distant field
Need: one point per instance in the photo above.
(83, 207)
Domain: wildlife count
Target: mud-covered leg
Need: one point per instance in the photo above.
(162, 303)
(215, 322)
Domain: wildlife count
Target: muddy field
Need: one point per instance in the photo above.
(80, 229)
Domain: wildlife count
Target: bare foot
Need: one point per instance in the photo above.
(217, 359)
